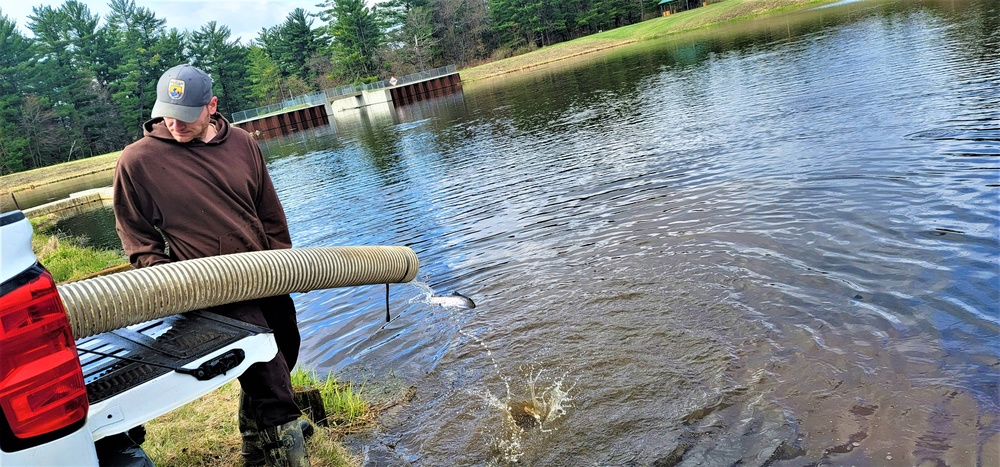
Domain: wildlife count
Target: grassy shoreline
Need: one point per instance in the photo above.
(180, 438)
(68, 259)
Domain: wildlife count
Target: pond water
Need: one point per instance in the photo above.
(771, 243)
(95, 228)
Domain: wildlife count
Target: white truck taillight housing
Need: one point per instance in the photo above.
(41, 382)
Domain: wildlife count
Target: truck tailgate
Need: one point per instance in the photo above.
(143, 371)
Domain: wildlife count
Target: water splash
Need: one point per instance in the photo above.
(427, 295)
(547, 403)
(527, 407)
(424, 292)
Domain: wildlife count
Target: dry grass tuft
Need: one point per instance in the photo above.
(201, 433)
(47, 247)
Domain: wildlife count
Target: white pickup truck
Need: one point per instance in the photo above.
(83, 402)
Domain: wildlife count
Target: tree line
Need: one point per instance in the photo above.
(81, 85)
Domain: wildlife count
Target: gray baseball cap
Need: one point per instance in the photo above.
(182, 92)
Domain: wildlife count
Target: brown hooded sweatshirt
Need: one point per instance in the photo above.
(207, 198)
(212, 198)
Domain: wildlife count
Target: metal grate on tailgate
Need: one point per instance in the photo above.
(116, 361)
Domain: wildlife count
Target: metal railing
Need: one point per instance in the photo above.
(322, 97)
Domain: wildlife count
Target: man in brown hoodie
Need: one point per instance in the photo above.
(192, 187)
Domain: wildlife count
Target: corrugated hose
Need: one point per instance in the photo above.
(122, 299)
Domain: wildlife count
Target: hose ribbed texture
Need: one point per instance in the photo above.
(114, 301)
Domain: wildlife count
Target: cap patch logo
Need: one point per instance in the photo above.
(175, 88)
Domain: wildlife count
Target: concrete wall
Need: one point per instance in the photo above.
(357, 101)
(346, 103)
(76, 203)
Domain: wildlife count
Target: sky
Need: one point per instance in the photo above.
(244, 18)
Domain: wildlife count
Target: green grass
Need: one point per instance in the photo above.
(344, 406)
(66, 258)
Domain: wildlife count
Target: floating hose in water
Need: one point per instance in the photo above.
(114, 301)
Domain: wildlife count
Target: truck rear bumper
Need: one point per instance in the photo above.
(74, 449)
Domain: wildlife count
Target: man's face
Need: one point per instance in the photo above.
(185, 132)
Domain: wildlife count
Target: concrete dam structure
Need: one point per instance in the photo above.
(393, 92)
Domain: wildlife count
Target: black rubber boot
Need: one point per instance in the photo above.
(253, 446)
(307, 428)
(285, 446)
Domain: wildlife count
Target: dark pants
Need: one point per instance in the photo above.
(267, 384)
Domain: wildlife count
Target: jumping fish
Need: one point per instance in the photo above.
(455, 300)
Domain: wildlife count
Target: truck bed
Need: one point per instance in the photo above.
(140, 372)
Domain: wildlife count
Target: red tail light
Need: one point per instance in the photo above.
(41, 383)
